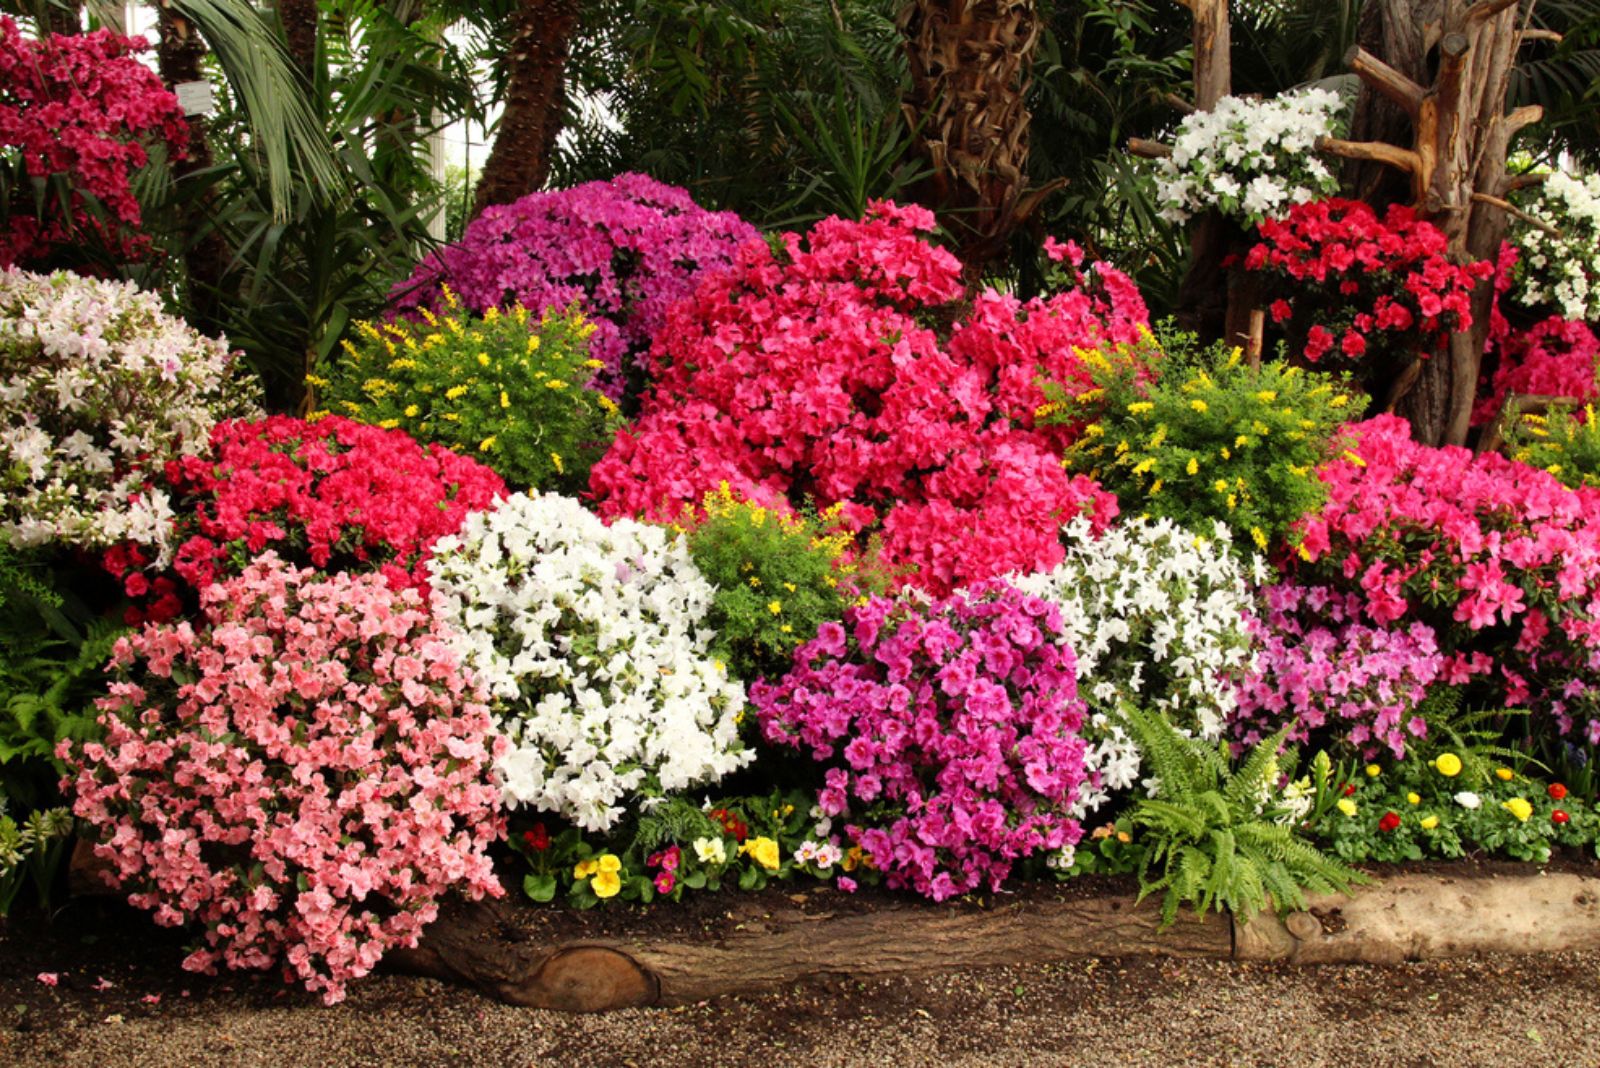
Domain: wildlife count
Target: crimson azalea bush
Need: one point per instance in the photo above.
(623, 250)
(304, 774)
(949, 730)
(1353, 284)
(335, 494)
(1321, 671)
(1500, 559)
(79, 112)
(813, 374)
(1551, 357)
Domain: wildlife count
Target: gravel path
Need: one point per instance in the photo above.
(1503, 1012)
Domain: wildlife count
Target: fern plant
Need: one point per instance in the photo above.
(1220, 837)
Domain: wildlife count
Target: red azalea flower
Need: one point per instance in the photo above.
(538, 839)
(1557, 792)
(1390, 822)
(1559, 817)
(1349, 789)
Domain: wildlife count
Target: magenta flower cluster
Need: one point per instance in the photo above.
(1501, 559)
(1320, 669)
(623, 250)
(949, 730)
(819, 373)
(1553, 357)
(304, 774)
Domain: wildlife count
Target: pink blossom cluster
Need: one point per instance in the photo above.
(624, 250)
(304, 774)
(1375, 281)
(817, 373)
(949, 730)
(1554, 357)
(335, 494)
(1321, 669)
(83, 107)
(1499, 558)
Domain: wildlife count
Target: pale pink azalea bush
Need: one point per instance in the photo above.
(949, 730)
(820, 374)
(1500, 559)
(1324, 673)
(623, 250)
(304, 773)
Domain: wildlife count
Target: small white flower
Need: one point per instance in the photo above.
(1468, 799)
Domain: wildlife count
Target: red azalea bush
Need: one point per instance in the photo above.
(334, 494)
(305, 774)
(1353, 282)
(623, 250)
(1500, 559)
(83, 109)
(819, 372)
(950, 731)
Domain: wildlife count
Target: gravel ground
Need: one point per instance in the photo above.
(1523, 1011)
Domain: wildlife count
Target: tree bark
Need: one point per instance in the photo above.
(519, 163)
(969, 63)
(299, 19)
(64, 16)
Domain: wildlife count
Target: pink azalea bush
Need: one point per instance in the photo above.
(624, 250)
(949, 730)
(1320, 669)
(1500, 559)
(817, 374)
(334, 494)
(1553, 357)
(304, 774)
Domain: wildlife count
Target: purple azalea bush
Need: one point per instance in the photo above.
(624, 250)
(949, 729)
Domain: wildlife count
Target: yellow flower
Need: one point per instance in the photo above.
(1143, 467)
(1199, 405)
(1413, 798)
(412, 411)
(606, 884)
(1347, 806)
(1339, 402)
(389, 424)
(555, 383)
(609, 862)
(1140, 407)
(1220, 485)
(1226, 455)
(1519, 808)
(455, 392)
(555, 458)
(483, 359)
(316, 380)
(1448, 765)
(1240, 442)
(1260, 537)
(1373, 771)
(775, 607)
(584, 869)
(594, 364)
(1233, 501)
(1155, 487)
(1194, 466)
(486, 444)
(763, 850)
(1430, 822)
(533, 344)
(505, 401)
(1503, 774)
(1267, 396)
(607, 404)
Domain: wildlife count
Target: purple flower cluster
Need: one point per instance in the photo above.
(1320, 666)
(950, 731)
(623, 250)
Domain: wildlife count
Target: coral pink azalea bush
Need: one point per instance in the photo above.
(1349, 281)
(1320, 670)
(79, 112)
(623, 250)
(1500, 559)
(304, 774)
(816, 374)
(949, 730)
(334, 494)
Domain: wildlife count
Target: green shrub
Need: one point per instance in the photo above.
(1565, 443)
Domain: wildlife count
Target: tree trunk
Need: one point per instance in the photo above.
(519, 163)
(63, 16)
(179, 59)
(969, 64)
(1210, 295)
(299, 21)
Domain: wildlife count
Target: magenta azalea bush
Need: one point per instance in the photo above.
(819, 374)
(949, 730)
(623, 250)
(1500, 559)
(304, 774)
(1321, 671)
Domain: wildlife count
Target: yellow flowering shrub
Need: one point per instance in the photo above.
(1563, 442)
(507, 388)
(1207, 438)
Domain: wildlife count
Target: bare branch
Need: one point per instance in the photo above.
(1542, 35)
(1486, 9)
(1138, 146)
(1523, 181)
(1178, 103)
(1385, 79)
(1525, 116)
(1512, 210)
(1377, 151)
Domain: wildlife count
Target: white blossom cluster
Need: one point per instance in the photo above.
(1250, 159)
(98, 387)
(1156, 616)
(1563, 268)
(591, 640)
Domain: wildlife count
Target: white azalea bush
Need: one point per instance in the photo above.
(592, 641)
(1560, 269)
(1250, 159)
(99, 387)
(1158, 617)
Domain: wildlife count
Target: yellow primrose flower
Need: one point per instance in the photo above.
(606, 884)
(584, 869)
(1448, 765)
(1373, 771)
(1413, 798)
(609, 862)
(1503, 774)
(1430, 822)
(763, 850)
(1519, 808)
(1347, 806)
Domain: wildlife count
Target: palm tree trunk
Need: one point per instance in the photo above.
(519, 163)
